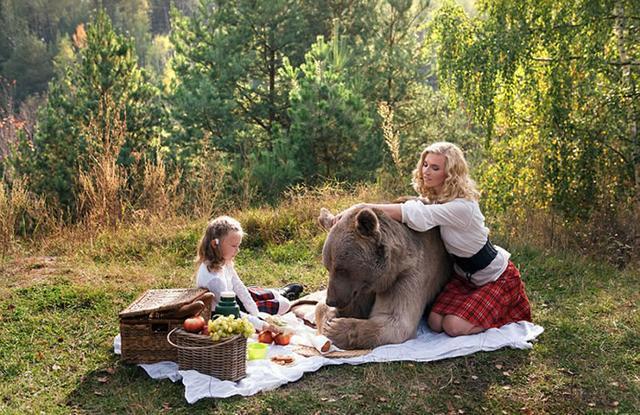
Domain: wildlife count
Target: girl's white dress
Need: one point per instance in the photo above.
(226, 279)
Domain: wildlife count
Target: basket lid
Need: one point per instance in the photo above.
(161, 300)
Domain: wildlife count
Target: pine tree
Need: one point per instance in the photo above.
(104, 69)
(330, 123)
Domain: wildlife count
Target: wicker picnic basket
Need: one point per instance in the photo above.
(225, 359)
(145, 323)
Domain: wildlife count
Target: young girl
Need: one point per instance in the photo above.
(217, 249)
(486, 290)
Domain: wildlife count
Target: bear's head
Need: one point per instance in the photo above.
(357, 254)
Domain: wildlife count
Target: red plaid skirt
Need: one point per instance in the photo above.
(265, 300)
(491, 305)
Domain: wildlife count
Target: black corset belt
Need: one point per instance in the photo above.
(478, 261)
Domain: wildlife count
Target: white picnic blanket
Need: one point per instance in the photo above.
(265, 375)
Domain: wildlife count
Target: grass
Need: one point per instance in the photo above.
(59, 306)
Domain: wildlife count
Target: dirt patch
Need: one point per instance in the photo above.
(25, 272)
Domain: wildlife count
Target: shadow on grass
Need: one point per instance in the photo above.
(462, 383)
(124, 388)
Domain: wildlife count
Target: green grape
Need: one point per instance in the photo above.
(226, 326)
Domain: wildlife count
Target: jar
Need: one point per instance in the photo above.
(227, 305)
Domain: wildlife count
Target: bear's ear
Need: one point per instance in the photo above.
(367, 224)
(325, 219)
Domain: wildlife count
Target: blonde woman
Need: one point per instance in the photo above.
(486, 290)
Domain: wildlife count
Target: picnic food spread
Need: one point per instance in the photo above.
(218, 346)
(282, 359)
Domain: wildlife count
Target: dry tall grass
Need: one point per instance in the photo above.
(295, 217)
(391, 136)
(21, 212)
(392, 177)
(205, 193)
(106, 196)
(102, 198)
(160, 197)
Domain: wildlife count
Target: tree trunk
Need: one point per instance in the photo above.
(623, 38)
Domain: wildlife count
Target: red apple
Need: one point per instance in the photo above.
(265, 336)
(282, 339)
(194, 324)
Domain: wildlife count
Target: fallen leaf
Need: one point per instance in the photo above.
(506, 373)
(498, 366)
(55, 367)
(616, 384)
(110, 370)
(506, 387)
(39, 356)
(474, 377)
(382, 399)
(98, 393)
(591, 404)
(615, 403)
(103, 379)
(166, 406)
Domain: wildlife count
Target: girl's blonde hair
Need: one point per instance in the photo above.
(457, 184)
(217, 229)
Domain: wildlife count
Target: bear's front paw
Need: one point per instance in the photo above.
(323, 314)
(343, 332)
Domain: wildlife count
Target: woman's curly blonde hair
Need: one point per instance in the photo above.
(217, 228)
(458, 183)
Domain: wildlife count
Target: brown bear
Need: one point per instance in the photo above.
(382, 276)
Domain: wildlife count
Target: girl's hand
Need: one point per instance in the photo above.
(272, 328)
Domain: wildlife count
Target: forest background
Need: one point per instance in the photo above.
(126, 124)
(113, 112)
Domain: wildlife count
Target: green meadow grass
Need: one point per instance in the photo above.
(59, 306)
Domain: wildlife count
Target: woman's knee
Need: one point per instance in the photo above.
(455, 326)
(435, 322)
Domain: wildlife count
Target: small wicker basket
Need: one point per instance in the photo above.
(225, 359)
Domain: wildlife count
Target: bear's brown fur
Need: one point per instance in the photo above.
(382, 276)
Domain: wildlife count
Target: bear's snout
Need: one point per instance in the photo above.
(337, 298)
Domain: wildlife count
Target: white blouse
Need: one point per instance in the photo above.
(226, 279)
(462, 230)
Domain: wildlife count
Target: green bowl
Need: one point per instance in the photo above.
(257, 351)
